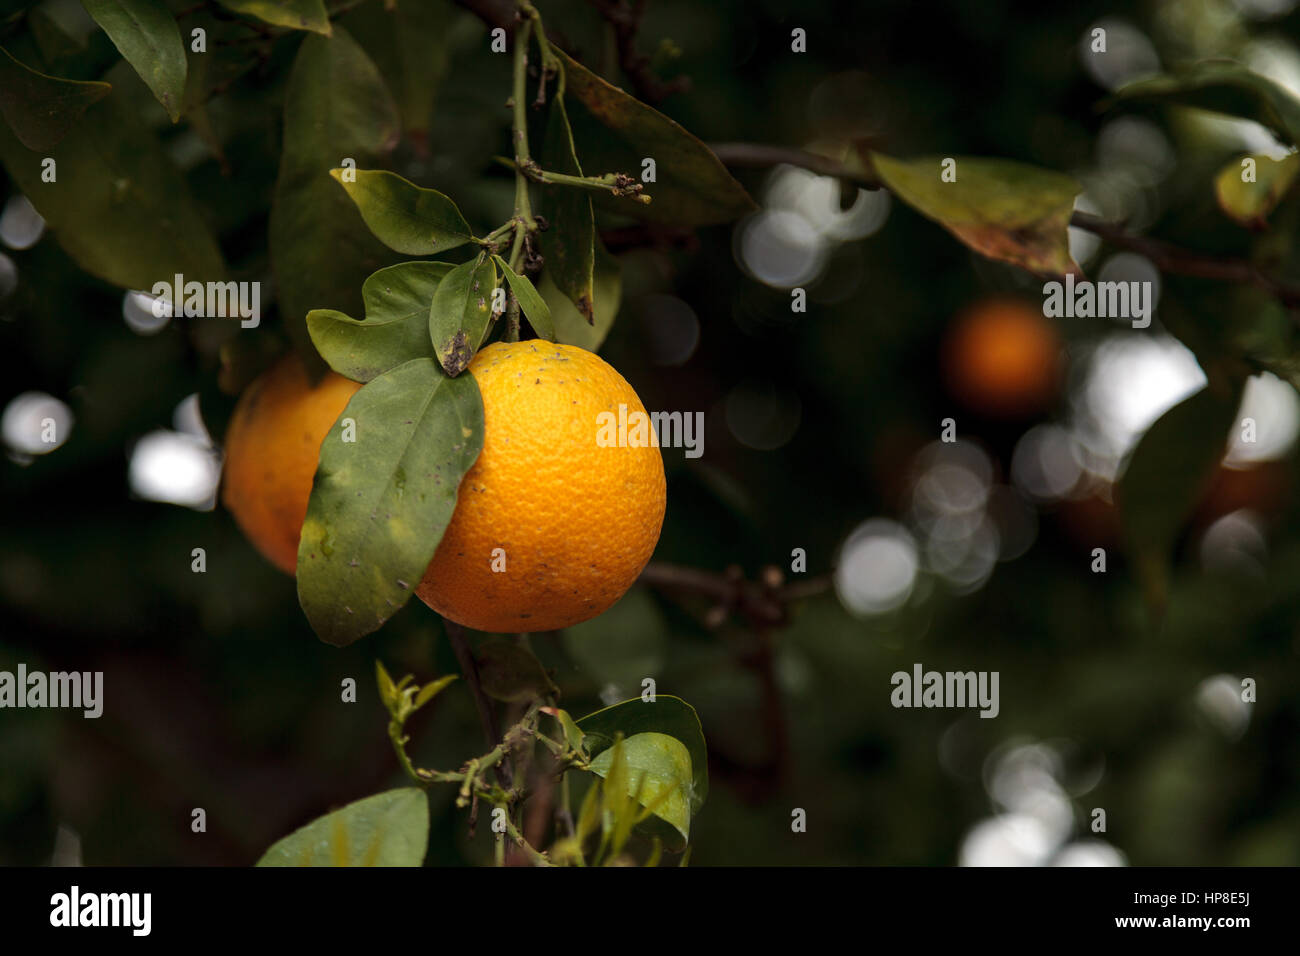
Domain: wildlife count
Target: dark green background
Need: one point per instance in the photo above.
(218, 695)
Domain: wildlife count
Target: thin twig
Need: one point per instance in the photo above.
(762, 603)
(762, 156)
(625, 20)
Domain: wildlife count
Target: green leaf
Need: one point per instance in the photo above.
(42, 109)
(459, 314)
(145, 33)
(511, 672)
(119, 208)
(396, 327)
(336, 106)
(665, 715)
(624, 645)
(615, 132)
(429, 691)
(1003, 210)
(533, 305)
(570, 245)
(404, 216)
(572, 733)
(1249, 203)
(380, 504)
(571, 327)
(1164, 477)
(1224, 86)
(659, 776)
(387, 690)
(388, 829)
(295, 14)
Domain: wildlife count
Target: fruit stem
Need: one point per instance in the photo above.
(524, 221)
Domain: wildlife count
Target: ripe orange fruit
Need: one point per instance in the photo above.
(1003, 359)
(272, 446)
(575, 519)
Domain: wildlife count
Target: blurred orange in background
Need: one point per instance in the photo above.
(1003, 359)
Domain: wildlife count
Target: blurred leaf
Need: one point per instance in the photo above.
(119, 208)
(380, 504)
(570, 244)
(665, 715)
(396, 327)
(1250, 203)
(571, 327)
(530, 303)
(588, 815)
(388, 829)
(295, 14)
(511, 672)
(421, 29)
(1224, 86)
(42, 109)
(336, 107)
(1003, 210)
(145, 33)
(658, 776)
(624, 645)
(429, 691)
(1164, 477)
(387, 691)
(459, 314)
(615, 132)
(404, 216)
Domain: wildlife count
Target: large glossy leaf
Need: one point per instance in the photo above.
(570, 244)
(1249, 203)
(1001, 209)
(615, 132)
(145, 33)
(402, 215)
(119, 206)
(380, 504)
(396, 327)
(1224, 86)
(530, 302)
(295, 14)
(658, 774)
(665, 715)
(460, 313)
(388, 829)
(1165, 475)
(571, 327)
(42, 109)
(336, 107)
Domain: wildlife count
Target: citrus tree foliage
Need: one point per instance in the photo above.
(397, 283)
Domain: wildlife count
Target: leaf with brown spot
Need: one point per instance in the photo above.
(461, 312)
(1003, 210)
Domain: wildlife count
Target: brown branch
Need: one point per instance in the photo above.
(469, 668)
(624, 18)
(762, 156)
(763, 604)
(1178, 261)
(495, 13)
